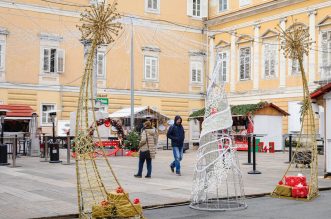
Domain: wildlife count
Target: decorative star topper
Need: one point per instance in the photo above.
(99, 23)
(295, 41)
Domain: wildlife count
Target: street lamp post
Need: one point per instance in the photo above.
(54, 151)
(3, 114)
(3, 147)
(53, 115)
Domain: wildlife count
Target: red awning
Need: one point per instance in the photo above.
(17, 110)
(321, 91)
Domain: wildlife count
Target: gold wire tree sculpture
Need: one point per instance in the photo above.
(304, 185)
(100, 194)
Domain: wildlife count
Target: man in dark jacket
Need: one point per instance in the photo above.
(177, 134)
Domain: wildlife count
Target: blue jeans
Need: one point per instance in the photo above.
(178, 156)
(142, 158)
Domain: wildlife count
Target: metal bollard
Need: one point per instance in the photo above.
(289, 149)
(249, 150)
(46, 149)
(68, 151)
(14, 151)
(254, 171)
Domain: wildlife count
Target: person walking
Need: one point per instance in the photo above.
(177, 135)
(147, 149)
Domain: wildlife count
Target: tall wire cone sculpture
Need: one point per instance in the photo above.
(217, 183)
(300, 180)
(100, 194)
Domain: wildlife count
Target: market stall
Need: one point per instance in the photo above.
(254, 119)
(322, 97)
(21, 120)
(141, 114)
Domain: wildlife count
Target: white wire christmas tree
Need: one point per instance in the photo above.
(217, 183)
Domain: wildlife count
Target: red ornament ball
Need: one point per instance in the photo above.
(119, 190)
(107, 123)
(136, 201)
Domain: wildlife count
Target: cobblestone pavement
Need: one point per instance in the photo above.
(40, 189)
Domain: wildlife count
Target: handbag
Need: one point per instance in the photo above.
(147, 153)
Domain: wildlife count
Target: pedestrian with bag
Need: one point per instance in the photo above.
(177, 135)
(147, 149)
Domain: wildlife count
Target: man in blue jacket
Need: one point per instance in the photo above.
(177, 134)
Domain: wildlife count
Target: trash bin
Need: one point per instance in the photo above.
(54, 153)
(3, 155)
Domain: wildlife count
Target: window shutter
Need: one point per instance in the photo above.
(266, 60)
(225, 4)
(153, 70)
(1, 56)
(100, 64)
(324, 51)
(147, 68)
(190, 7)
(155, 6)
(194, 77)
(273, 60)
(46, 60)
(60, 60)
(204, 8)
(199, 74)
(53, 61)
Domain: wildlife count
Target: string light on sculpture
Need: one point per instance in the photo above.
(300, 180)
(100, 194)
(217, 183)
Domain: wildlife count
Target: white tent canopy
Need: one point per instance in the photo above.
(139, 112)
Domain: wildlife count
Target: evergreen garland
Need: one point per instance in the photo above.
(243, 109)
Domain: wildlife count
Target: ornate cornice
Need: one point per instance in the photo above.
(246, 12)
(50, 37)
(3, 31)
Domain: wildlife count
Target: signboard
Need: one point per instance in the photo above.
(103, 101)
(63, 126)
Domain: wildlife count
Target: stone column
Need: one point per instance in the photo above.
(256, 56)
(282, 59)
(312, 33)
(233, 62)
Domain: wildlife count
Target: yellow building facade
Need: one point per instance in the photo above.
(244, 35)
(42, 58)
(176, 45)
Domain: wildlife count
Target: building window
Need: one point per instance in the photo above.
(45, 117)
(223, 70)
(101, 67)
(196, 71)
(223, 5)
(243, 3)
(95, 2)
(2, 56)
(295, 67)
(326, 55)
(151, 68)
(196, 8)
(245, 63)
(53, 60)
(152, 5)
(270, 59)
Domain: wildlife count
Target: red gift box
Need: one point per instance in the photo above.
(300, 192)
(295, 180)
